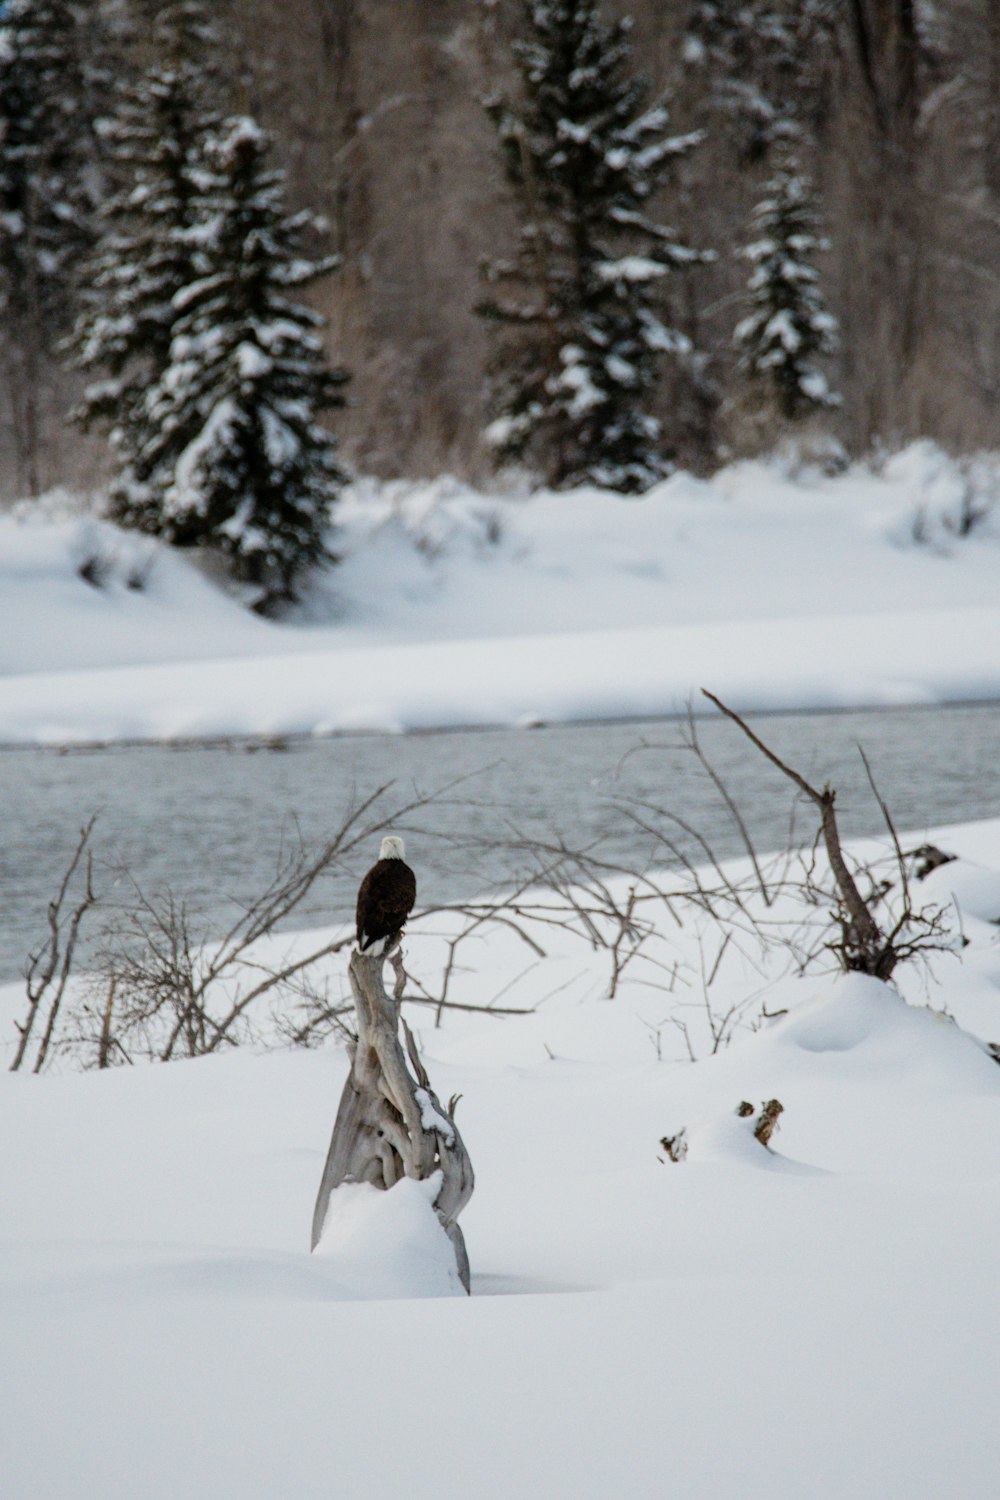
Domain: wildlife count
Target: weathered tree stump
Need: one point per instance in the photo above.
(390, 1123)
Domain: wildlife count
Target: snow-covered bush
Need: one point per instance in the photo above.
(954, 498)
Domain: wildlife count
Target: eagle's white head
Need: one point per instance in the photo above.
(392, 848)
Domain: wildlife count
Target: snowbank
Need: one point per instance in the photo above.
(815, 1320)
(452, 608)
(386, 1245)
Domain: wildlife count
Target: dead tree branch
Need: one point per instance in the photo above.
(863, 946)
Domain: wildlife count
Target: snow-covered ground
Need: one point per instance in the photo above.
(818, 1321)
(776, 586)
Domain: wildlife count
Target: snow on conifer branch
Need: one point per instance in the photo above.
(582, 308)
(235, 457)
(788, 327)
(154, 141)
(49, 185)
(213, 375)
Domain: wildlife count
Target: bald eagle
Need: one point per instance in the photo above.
(385, 897)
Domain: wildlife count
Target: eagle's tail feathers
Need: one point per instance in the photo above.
(365, 942)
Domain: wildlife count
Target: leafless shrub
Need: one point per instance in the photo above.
(808, 906)
(49, 967)
(678, 924)
(863, 944)
(166, 985)
(719, 1021)
(969, 512)
(629, 918)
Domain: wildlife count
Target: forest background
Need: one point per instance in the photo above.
(378, 112)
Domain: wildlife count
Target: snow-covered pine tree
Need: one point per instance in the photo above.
(48, 190)
(788, 326)
(155, 137)
(749, 52)
(762, 60)
(232, 454)
(47, 154)
(581, 309)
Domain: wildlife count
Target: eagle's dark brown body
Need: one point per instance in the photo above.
(385, 900)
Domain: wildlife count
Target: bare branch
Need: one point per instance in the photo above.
(48, 969)
(863, 943)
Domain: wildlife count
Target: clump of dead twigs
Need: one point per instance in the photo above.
(49, 967)
(166, 982)
(766, 1122)
(864, 944)
(677, 926)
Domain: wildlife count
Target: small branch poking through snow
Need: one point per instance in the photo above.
(767, 1121)
(675, 1146)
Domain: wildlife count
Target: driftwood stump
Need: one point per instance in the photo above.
(390, 1123)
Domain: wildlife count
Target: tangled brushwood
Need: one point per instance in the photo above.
(163, 981)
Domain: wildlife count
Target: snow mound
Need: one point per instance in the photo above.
(729, 1139)
(467, 608)
(816, 1319)
(973, 889)
(386, 1245)
(865, 1017)
(867, 1083)
(77, 592)
(839, 1026)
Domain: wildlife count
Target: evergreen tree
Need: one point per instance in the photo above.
(231, 455)
(155, 141)
(582, 305)
(750, 53)
(46, 155)
(48, 187)
(788, 326)
(762, 60)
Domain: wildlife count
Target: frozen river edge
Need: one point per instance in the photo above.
(817, 663)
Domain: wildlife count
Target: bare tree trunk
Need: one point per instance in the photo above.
(884, 34)
(992, 141)
(390, 1123)
(23, 376)
(890, 316)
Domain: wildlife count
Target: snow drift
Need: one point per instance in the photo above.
(815, 1319)
(782, 588)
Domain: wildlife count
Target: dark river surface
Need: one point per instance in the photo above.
(209, 821)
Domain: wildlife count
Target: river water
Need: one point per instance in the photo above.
(210, 821)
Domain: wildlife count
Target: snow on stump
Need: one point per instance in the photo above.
(392, 1135)
(383, 1245)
